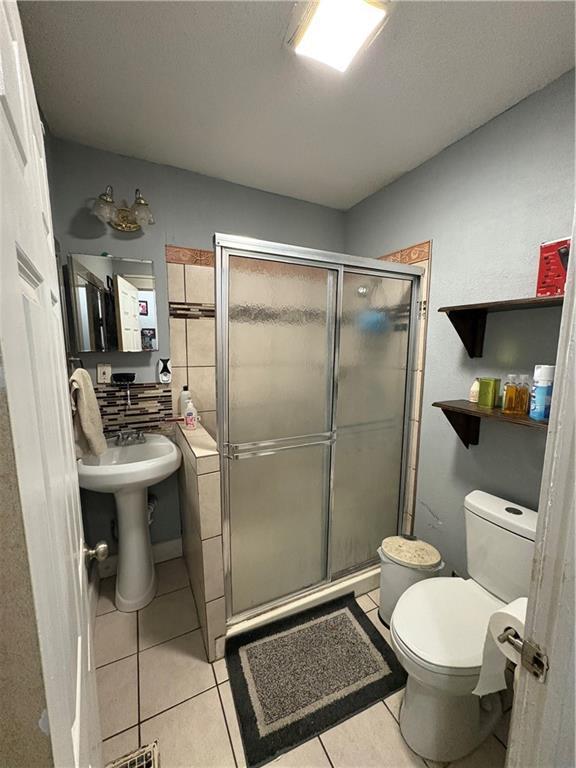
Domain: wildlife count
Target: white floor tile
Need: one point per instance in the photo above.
(119, 745)
(490, 754)
(118, 696)
(172, 672)
(371, 738)
(106, 602)
(166, 617)
(308, 755)
(172, 575)
(394, 703)
(220, 670)
(114, 637)
(232, 722)
(192, 735)
(375, 596)
(365, 603)
(384, 631)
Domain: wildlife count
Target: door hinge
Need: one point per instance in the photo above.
(534, 660)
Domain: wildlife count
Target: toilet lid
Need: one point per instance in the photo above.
(443, 621)
(411, 551)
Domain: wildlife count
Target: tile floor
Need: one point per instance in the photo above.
(154, 682)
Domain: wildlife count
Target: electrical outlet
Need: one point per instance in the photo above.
(104, 373)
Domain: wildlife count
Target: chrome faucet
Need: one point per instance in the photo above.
(130, 437)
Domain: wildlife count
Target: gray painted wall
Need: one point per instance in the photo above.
(486, 202)
(189, 208)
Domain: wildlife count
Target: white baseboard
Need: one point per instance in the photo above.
(161, 551)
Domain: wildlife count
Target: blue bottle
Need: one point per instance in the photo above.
(541, 392)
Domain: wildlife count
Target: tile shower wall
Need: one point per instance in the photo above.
(192, 329)
(199, 491)
(143, 406)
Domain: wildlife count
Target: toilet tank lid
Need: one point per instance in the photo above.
(506, 514)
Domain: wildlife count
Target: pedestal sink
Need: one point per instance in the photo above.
(127, 471)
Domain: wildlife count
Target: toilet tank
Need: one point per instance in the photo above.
(499, 544)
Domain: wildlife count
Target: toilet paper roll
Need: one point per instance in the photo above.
(492, 674)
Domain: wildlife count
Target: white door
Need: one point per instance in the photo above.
(543, 716)
(127, 315)
(32, 348)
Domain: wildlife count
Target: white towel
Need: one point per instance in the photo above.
(88, 432)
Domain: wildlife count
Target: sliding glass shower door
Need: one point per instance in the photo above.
(313, 362)
(280, 373)
(372, 379)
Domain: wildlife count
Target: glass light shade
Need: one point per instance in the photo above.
(141, 211)
(141, 214)
(104, 210)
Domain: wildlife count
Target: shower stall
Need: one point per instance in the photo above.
(314, 364)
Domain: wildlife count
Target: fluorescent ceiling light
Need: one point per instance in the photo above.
(338, 29)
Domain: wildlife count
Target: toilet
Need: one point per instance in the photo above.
(439, 625)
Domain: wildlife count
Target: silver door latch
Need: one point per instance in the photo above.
(99, 552)
(531, 656)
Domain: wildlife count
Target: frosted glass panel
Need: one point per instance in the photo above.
(370, 416)
(277, 524)
(280, 329)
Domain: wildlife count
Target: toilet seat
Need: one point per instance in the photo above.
(439, 626)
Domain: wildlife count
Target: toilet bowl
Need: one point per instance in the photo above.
(439, 626)
(437, 631)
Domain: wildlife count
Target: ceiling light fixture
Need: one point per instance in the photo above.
(333, 31)
(122, 218)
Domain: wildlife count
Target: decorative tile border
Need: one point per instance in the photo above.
(190, 311)
(176, 254)
(151, 406)
(411, 255)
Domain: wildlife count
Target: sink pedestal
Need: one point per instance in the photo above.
(136, 575)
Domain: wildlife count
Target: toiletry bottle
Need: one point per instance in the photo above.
(474, 391)
(183, 400)
(510, 389)
(522, 396)
(541, 392)
(191, 416)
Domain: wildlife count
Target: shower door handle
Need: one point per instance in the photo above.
(270, 447)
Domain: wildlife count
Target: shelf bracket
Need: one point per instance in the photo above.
(470, 325)
(466, 427)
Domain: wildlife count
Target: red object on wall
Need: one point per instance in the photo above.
(553, 267)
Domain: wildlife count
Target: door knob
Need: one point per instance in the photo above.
(99, 552)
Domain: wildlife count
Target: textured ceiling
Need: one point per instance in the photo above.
(211, 87)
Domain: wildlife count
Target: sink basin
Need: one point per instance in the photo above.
(121, 468)
(127, 471)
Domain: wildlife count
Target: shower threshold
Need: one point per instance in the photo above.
(358, 583)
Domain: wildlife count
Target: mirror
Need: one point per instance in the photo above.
(111, 303)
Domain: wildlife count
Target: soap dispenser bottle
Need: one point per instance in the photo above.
(164, 370)
(191, 415)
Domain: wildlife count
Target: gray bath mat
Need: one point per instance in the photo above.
(297, 677)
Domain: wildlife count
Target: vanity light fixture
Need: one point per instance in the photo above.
(333, 31)
(122, 218)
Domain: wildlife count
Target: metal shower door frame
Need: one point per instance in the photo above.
(230, 245)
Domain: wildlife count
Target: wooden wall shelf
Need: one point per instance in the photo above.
(465, 419)
(469, 320)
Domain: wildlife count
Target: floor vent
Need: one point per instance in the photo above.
(145, 757)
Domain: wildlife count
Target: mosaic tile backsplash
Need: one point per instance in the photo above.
(150, 406)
